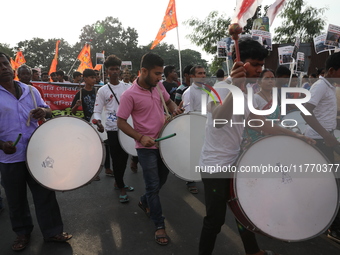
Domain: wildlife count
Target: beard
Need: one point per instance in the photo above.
(149, 82)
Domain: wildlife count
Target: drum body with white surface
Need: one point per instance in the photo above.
(292, 204)
(126, 142)
(64, 153)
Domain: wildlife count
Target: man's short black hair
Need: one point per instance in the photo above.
(6, 56)
(187, 70)
(168, 70)
(89, 72)
(112, 60)
(60, 72)
(151, 60)
(250, 48)
(76, 74)
(282, 71)
(333, 61)
(220, 73)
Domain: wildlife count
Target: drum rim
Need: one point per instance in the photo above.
(257, 229)
(159, 144)
(96, 173)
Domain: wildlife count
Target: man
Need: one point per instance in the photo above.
(222, 146)
(126, 75)
(77, 77)
(192, 97)
(25, 74)
(109, 96)
(16, 105)
(35, 75)
(322, 122)
(98, 78)
(54, 77)
(184, 86)
(60, 76)
(143, 102)
(170, 82)
(45, 77)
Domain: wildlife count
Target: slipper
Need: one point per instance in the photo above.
(21, 242)
(166, 237)
(127, 188)
(123, 198)
(193, 190)
(144, 208)
(60, 238)
(133, 167)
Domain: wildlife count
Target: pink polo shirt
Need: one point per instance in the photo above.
(146, 109)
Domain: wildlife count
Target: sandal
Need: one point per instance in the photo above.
(61, 238)
(109, 172)
(144, 208)
(193, 189)
(21, 242)
(123, 198)
(127, 188)
(164, 236)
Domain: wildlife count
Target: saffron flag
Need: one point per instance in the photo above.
(274, 9)
(169, 22)
(85, 58)
(14, 64)
(20, 59)
(53, 67)
(245, 9)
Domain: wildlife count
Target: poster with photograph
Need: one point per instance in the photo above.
(261, 24)
(285, 54)
(300, 66)
(126, 64)
(266, 38)
(229, 46)
(222, 49)
(319, 44)
(100, 58)
(333, 36)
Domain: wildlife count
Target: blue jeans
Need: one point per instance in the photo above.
(155, 174)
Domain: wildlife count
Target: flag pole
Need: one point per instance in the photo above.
(179, 57)
(71, 67)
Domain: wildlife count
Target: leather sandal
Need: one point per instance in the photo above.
(21, 242)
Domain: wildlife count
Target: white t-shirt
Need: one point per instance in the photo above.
(260, 101)
(107, 99)
(323, 97)
(222, 145)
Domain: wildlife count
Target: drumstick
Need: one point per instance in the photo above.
(165, 137)
(94, 121)
(17, 140)
(234, 31)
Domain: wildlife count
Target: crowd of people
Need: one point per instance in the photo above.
(150, 100)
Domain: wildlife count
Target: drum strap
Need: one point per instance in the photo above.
(113, 94)
(168, 116)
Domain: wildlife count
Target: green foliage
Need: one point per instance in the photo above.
(299, 20)
(6, 49)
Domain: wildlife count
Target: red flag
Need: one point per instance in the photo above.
(14, 64)
(20, 59)
(85, 58)
(53, 67)
(245, 9)
(169, 22)
(274, 9)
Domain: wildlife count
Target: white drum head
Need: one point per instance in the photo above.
(64, 153)
(295, 115)
(182, 152)
(290, 206)
(126, 142)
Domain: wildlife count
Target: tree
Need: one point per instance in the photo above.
(6, 49)
(301, 21)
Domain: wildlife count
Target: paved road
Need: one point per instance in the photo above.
(101, 225)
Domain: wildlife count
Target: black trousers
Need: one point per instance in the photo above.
(216, 197)
(14, 178)
(119, 158)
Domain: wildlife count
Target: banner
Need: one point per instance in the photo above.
(264, 37)
(285, 54)
(333, 36)
(319, 44)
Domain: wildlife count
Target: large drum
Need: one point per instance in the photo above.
(64, 153)
(181, 153)
(295, 203)
(301, 123)
(126, 142)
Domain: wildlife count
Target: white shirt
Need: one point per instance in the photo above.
(222, 145)
(323, 97)
(193, 97)
(107, 99)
